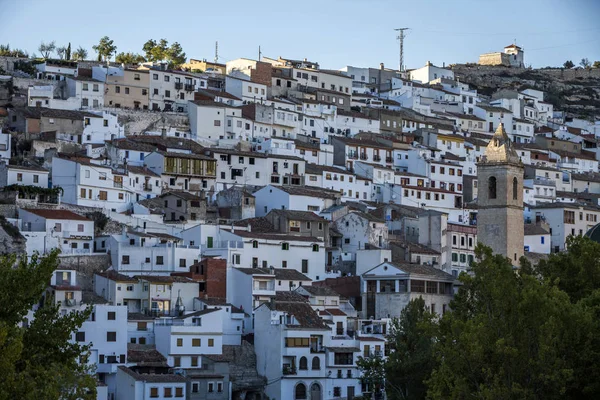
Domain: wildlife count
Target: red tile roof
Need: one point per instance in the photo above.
(57, 214)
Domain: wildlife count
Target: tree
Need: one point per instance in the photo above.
(412, 336)
(6, 51)
(80, 54)
(596, 64)
(511, 336)
(372, 368)
(568, 64)
(39, 360)
(161, 51)
(585, 63)
(68, 52)
(46, 49)
(129, 58)
(61, 51)
(105, 48)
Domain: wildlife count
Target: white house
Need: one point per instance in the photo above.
(5, 146)
(361, 231)
(245, 89)
(88, 91)
(23, 175)
(46, 229)
(537, 239)
(171, 90)
(141, 384)
(302, 198)
(183, 340)
(429, 73)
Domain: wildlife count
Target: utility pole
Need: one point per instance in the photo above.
(216, 52)
(401, 38)
(259, 53)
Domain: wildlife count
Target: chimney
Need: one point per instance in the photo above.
(381, 66)
(428, 63)
(88, 150)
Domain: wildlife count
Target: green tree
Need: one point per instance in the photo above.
(39, 361)
(105, 48)
(372, 370)
(129, 58)
(161, 51)
(6, 51)
(568, 64)
(596, 64)
(412, 337)
(509, 336)
(68, 52)
(80, 54)
(585, 63)
(46, 49)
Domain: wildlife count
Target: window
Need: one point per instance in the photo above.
(167, 78)
(36, 179)
(112, 316)
(316, 363)
(211, 342)
(168, 392)
(285, 246)
(111, 336)
(300, 391)
(167, 93)
(296, 342)
(195, 342)
(177, 361)
(125, 260)
(515, 189)
(492, 187)
(195, 387)
(154, 392)
(179, 342)
(315, 247)
(80, 336)
(211, 387)
(179, 392)
(159, 260)
(219, 387)
(303, 363)
(19, 177)
(305, 266)
(255, 244)
(194, 361)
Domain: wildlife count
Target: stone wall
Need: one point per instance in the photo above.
(139, 122)
(85, 266)
(494, 59)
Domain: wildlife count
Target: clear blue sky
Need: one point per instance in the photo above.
(334, 33)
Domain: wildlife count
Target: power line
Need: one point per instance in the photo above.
(509, 33)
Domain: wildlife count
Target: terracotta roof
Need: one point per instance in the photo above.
(158, 378)
(187, 196)
(257, 224)
(217, 93)
(141, 171)
(286, 274)
(277, 237)
(27, 168)
(320, 291)
(343, 349)
(254, 271)
(38, 112)
(164, 279)
(298, 215)
(117, 277)
(57, 214)
(533, 229)
(494, 108)
(332, 311)
(198, 313)
(310, 192)
(316, 169)
(138, 317)
(370, 339)
(299, 308)
(144, 354)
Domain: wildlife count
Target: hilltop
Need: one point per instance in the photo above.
(575, 91)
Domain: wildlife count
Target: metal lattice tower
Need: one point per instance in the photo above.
(216, 52)
(401, 39)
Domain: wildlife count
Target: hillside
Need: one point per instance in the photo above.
(576, 91)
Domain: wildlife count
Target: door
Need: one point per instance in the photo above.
(491, 127)
(350, 391)
(329, 258)
(315, 391)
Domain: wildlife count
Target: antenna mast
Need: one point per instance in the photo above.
(400, 37)
(216, 52)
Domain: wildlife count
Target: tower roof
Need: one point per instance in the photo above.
(500, 148)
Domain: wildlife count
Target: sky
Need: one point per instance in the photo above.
(334, 33)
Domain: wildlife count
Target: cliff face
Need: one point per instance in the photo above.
(11, 240)
(573, 90)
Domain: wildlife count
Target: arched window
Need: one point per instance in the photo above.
(255, 244)
(515, 189)
(492, 187)
(303, 363)
(300, 391)
(316, 363)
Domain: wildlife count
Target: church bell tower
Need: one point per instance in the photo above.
(500, 198)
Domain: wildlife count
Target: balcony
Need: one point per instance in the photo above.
(376, 157)
(147, 188)
(353, 155)
(289, 370)
(178, 85)
(389, 159)
(118, 184)
(317, 348)
(189, 87)
(363, 156)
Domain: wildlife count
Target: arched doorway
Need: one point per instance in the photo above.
(315, 391)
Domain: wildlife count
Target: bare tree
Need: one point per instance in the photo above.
(61, 52)
(585, 63)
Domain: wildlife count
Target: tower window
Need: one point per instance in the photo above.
(492, 187)
(515, 188)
